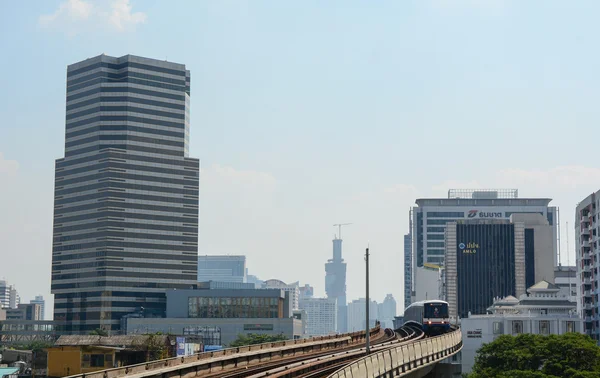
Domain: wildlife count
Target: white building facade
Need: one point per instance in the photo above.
(293, 289)
(357, 314)
(545, 310)
(565, 277)
(321, 316)
(386, 311)
(9, 297)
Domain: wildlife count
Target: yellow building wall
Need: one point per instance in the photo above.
(65, 361)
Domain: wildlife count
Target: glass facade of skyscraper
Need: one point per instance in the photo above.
(126, 192)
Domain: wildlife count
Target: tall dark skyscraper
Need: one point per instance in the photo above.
(126, 192)
(335, 284)
(485, 259)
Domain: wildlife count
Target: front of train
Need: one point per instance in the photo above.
(435, 317)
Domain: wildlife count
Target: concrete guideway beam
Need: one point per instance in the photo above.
(412, 360)
(201, 363)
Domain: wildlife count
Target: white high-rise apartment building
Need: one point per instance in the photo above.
(15, 298)
(9, 297)
(321, 315)
(4, 294)
(587, 253)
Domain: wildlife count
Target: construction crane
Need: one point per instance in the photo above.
(339, 226)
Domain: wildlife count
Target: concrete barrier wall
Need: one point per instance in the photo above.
(231, 357)
(402, 360)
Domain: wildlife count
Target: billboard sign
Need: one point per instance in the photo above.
(180, 346)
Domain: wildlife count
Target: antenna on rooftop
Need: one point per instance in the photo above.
(339, 226)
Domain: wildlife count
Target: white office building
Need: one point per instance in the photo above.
(386, 311)
(544, 310)
(293, 289)
(321, 316)
(428, 276)
(357, 314)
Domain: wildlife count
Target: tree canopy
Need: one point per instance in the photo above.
(99, 332)
(256, 338)
(571, 355)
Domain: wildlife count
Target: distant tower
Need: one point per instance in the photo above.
(335, 281)
(39, 299)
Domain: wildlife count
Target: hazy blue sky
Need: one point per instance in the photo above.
(310, 113)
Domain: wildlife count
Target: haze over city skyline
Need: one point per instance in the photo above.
(308, 114)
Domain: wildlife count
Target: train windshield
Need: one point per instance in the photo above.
(436, 310)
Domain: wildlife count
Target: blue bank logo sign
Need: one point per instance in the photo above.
(469, 248)
(483, 214)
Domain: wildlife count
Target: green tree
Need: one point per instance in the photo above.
(154, 346)
(256, 338)
(99, 332)
(555, 356)
(35, 346)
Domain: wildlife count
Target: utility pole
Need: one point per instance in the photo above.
(368, 348)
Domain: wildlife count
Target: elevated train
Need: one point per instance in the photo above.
(431, 316)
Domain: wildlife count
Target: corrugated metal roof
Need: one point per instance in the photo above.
(112, 341)
(8, 371)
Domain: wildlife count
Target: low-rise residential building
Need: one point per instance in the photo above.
(544, 310)
(9, 372)
(74, 354)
